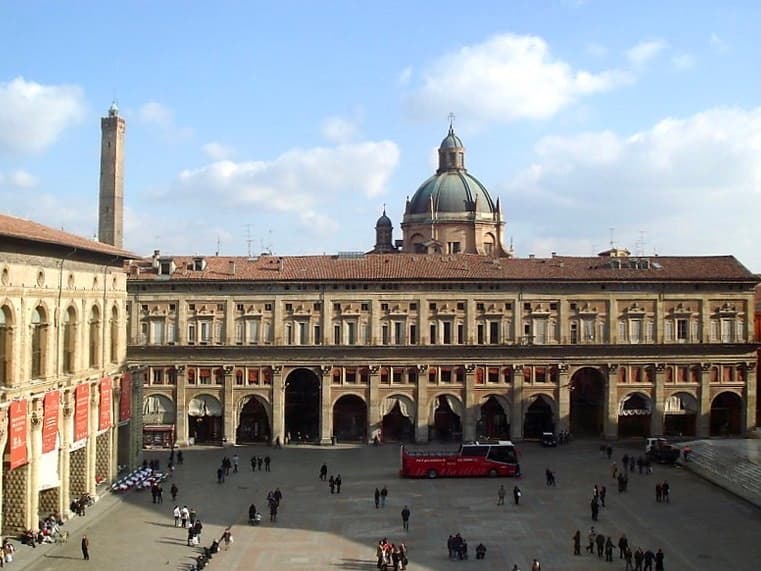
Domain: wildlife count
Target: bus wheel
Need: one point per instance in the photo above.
(431, 474)
(493, 473)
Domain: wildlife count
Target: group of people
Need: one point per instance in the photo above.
(7, 551)
(380, 497)
(79, 506)
(663, 492)
(257, 462)
(335, 484)
(391, 555)
(516, 495)
(599, 494)
(635, 560)
(457, 547)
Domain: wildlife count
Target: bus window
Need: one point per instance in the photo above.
(502, 454)
(472, 451)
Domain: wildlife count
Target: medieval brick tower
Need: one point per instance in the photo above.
(111, 204)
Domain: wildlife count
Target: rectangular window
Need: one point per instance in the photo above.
(288, 334)
(433, 334)
(480, 333)
(352, 332)
(479, 307)
(540, 374)
(317, 306)
(574, 333)
(289, 307)
(589, 330)
(396, 375)
(302, 333)
(413, 307)
(681, 329)
(453, 247)
(171, 332)
(267, 307)
(336, 334)
(204, 377)
(650, 331)
(157, 332)
(726, 330)
(351, 375)
(413, 334)
(540, 331)
(158, 376)
(317, 335)
(447, 333)
(432, 306)
(492, 375)
(240, 329)
(446, 375)
(635, 331)
(494, 332)
(621, 331)
(267, 332)
(219, 332)
(460, 333)
(398, 333)
(336, 307)
(253, 330)
(384, 334)
(191, 332)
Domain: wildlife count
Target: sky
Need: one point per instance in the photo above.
(287, 126)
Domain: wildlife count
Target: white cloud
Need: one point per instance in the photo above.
(18, 179)
(218, 151)
(161, 116)
(692, 184)
(506, 78)
(645, 51)
(33, 116)
(683, 62)
(340, 129)
(717, 44)
(296, 180)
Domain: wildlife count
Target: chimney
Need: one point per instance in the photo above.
(554, 254)
(531, 256)
(231, 267)
(155, 258)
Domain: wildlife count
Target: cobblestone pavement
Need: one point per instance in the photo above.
(704, 528)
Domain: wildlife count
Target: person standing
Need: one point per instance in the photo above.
(628, 559)
(176, 514)
(180, 458)
(609, 549)
(267, 461)
(236, 461)
(638, 558)
(406, 518)
(536, 566)
(595, 507)
(623, 545)
(603, 493)
(253, 463)
(666, 492)
(259, 461)
(577, 543)
(332, 484)
(649, 558)
(324, 472)
(184, 515)
(376, 496)
(517, 495)
(501, 495)
(591, 544)
(658, 492)
(383, 496)
(85, 548)
(338, 484)
(659, 557)
(174, 490)
(600, 541)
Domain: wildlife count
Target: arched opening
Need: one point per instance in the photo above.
(114, 337)
(6, 347)
(446, 422)
(94, 338)
(69, 340)
(159, 415)
(350, 419)
(302, 406)
(494, 421)
(634, 412)
(205, 419)
(253, 423)
(39, 342)
(397, 425)
(681, 413)
(726, 415)
(538, 418)
(587, 402)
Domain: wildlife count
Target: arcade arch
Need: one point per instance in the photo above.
(726, 414)
(539, 416)
(350, 418)
(446, 412)
(302, 406)
(205, 419)
(397, 419)
(253, 420)
(634, 413)
(494, 421)
(587, 402)
(681, 413)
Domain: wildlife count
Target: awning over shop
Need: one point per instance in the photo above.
(204, 405)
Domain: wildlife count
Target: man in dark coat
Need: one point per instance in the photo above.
(85, 548)
(600, 540)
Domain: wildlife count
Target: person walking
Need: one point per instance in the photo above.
(376, 497)
(623, 545)
(324, 472)
(649, 558)
(639, 556)
(259, 462)
(600, 541)
(184, 515)
(332, 484)
(253, 463)
(536, 566)
(85, 548)
(666, 492)
(501, 495)
(406, 518)
(176, 514)
(227, 537)
(659, 557)
(628, 559)
(383, 496)
(658, 492)
(609, 549)
(339, 481)
(517, 495)
(174, 490)
(267, 462)
(603, 493)
(236, 461)
(577, 543)
(180, 458)
(595, 507)
(591, 540)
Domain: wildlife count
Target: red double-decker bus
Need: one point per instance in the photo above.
(484, 458)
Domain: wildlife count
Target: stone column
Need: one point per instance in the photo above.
(326, 410)
(471, 405)
(278, 405)
(703, 424)
(35, 449)
(610, 410)
(612, 322)
(228, 407)
(421, 402)
(182, 323)
(749, 414)
(113, 471)
(92, 440)
(563, 399)
(374, 420)
(470, 323)
(424, 329)
(516, 420)
(3, 442)
(180, 405)
(66, 426)
(659, 404)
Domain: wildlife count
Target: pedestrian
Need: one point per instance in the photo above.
(591, 540)
(338, 483)
(595, 507)
(220, 475)
(639, 556)
(577, 543)
(376, 497)
(332, 484)
(160, 493)
(666, 492)
(480, 551)
(625, 462)
(658, 492)
(180, 458)
(406, 518)
(176, 514)
(628, 559)
(610, 452)
(273, 511)
(198, 528)
(516, 495)
(191, 535)
(640, 464)
(600, 541)
(649, 558)
(267, 461)
(259, 462)
(609, 549)
(547, 477)
(659, 557)
(174, 490)
(501, 495)
(253, 463)
(384, 495)
(184, 515)
(192, 516)
(614, 470)
(324, 472)
(515, 568)
(236, 460)
(227, 537)
(85, 548)
(623, 545)
(536, 566)
(631, 464)
(603, 493)
(278, 495)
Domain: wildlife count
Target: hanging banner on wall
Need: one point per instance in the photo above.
(125, 402)
(104, 417)
(81, 411)
(18, 455)
(50, 421)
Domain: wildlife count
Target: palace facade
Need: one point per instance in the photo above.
(441, 335)
(65, 401)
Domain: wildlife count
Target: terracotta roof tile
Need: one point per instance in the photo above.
(23, 229)
(417, 267)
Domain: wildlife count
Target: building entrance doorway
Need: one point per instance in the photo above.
(205, 419)
(538, 418)
(350, 419)
(302, 406)
(447, 425)
(634, 415)
(494, 422)
(587, 400)
(726, 415)
(253, 423)
(397, 425)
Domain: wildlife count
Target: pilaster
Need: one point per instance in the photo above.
(326, 417)
(471, 408)
(35, 448)
(180, 405)
(92, 440)
(659, 405)
(3, 442)
(703, 428)
(374, 421)
(278, 405)
(421, 401)
(612, 321)
(563, 398)
(182, 322)
(229, 321)
(516, 420)
(66, 426)
(423, 327)
(470, 322)
(749, 415)
(228, 407)
(610, 410)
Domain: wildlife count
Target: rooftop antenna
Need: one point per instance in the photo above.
(269, 240)
(451, 120)
(641, 243)
(248, 239)
(217, 252)
(612, 237)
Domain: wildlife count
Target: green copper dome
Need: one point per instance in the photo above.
(451, 141)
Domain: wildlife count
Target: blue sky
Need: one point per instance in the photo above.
(297, 121)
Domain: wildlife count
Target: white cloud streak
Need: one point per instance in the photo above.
(20, 179)
(645, 51)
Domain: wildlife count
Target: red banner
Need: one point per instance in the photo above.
(50, 421)
(81, 411)
(104, 418)
(125, 403)
(18, 415)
